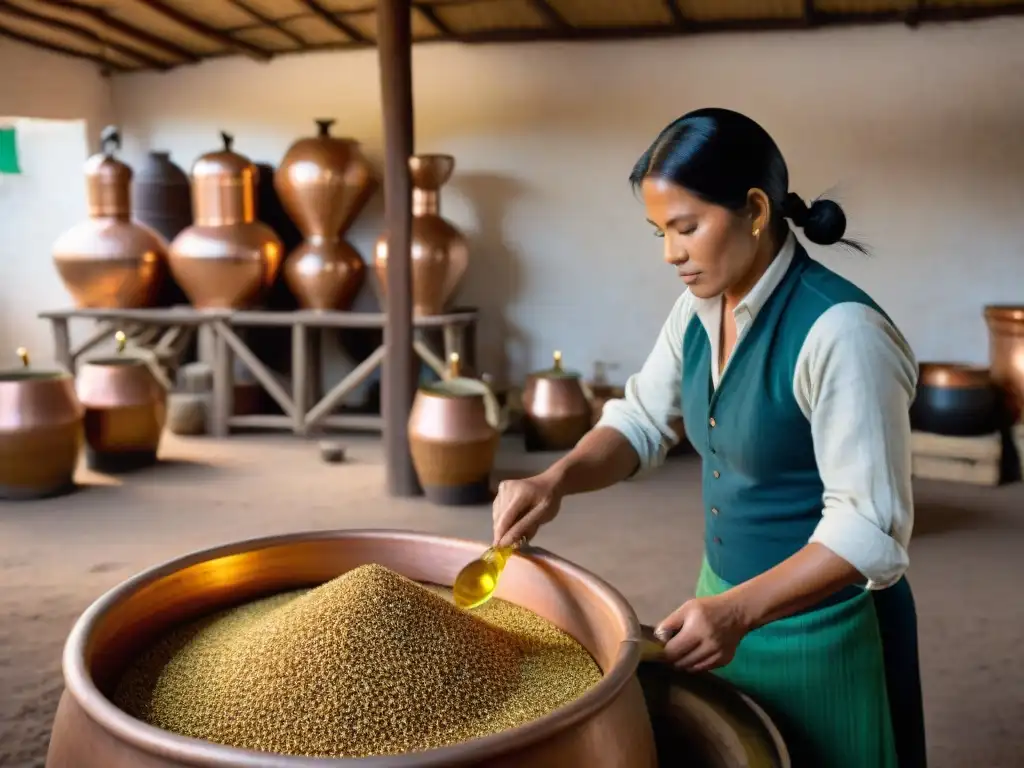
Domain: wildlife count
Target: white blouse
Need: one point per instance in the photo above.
(855, 379)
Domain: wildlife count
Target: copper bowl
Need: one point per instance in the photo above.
(955, 399)
(607, 727)
(125, 413)
(40, 433)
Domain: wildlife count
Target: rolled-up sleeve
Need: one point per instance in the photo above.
(649, 414)
(855, 380)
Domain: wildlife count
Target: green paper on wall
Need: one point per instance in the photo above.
(9, 151)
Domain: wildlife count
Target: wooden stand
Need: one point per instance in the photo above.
(299, 414)
(975, 460)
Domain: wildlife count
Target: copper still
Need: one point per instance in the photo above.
(557, 408)
(955, 399)
(109, 261)
(454, 429)
(324, 183)
(1006, 354)
(125, 412)
(40, 432)
(227, 259)
(162, 199)
(440, 254)
(703, 721)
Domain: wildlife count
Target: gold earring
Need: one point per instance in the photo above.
(757, 231)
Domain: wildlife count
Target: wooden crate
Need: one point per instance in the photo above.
(975, 460)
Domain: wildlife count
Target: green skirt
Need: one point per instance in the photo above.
(821, 675)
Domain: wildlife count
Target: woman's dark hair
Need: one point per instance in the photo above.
(720, 155)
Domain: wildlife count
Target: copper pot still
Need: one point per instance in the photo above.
(454, 429)
(704, 722)
(227, 259)
(324, 182)
(1006, 354)
(109, 261)
(440, 254)
(40, 432)
(125, 412)
(557, 408)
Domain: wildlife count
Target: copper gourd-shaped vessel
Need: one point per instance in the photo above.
(557, 408)
(324, 182)
(440, 254)
(640, 714)
(1006, 354)
(454, 429)
(40, 432)
(125, 411)
(109, 261)
(227, 259)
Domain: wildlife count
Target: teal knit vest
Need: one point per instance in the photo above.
(761, 488)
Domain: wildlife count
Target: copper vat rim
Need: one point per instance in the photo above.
(944, 374)
(79, 684)
(22, 376)
(1005, 312)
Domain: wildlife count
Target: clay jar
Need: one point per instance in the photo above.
(440, 255)
(955, 399)
(108, 261)
(162, 199)
(40, 432)
(227, 259)
(557, 409)
(324, 182)
(454, 429)
(125, 412)
(1006, 354)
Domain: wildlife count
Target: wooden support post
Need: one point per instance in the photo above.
(62, 343)
(394, 46)
(300, 390)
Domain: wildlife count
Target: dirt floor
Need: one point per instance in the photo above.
(57, 556)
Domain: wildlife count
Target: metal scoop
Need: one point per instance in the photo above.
(477, 581)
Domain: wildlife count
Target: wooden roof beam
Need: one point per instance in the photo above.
(268, 22)
(314, 7)
(430, 14)
(551, 16)
(197, 27)
(38, 42)
(84, 33)
(678, 19)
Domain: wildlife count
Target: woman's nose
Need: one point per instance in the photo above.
(673, 253)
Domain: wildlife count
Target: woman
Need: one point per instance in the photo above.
(794, 388)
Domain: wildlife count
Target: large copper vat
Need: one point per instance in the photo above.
(440, 254)
(125, 412)
(557, 408)
(608, 727)
(454, 429)
(40, 432)
(324, 183)
(227, 259)
(1006, 353)
(108, 261)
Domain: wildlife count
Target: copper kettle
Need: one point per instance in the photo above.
(40, 432)
(226, 259)
(557, 408)
(109, 261)
(125, 411)
(454, 429)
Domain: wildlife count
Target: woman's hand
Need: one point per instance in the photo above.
(523, 506)
(703, 633)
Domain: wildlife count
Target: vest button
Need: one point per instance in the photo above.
(714, 510)
(717, 474)
(711, 421)
(717, 540)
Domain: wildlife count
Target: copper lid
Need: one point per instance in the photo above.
(224, 187)
(107, 180)
(556, 371)
(953, 376)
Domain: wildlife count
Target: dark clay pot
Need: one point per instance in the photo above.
(956, 400)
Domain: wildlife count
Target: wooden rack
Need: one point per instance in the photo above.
(162, 332)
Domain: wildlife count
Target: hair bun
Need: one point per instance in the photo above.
(824, 222)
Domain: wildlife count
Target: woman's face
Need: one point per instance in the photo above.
(713, 248)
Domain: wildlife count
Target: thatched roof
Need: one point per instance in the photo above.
(129, 35)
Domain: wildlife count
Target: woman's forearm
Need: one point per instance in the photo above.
(798, 582)
(601, 459)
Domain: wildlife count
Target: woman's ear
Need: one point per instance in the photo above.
(760, 211)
